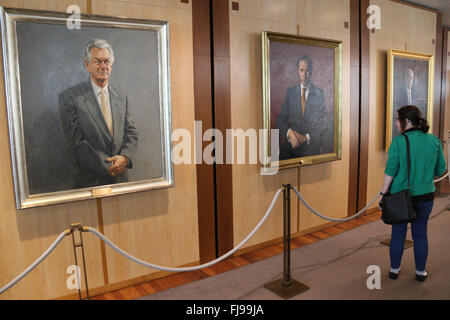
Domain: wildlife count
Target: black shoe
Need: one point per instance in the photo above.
(393, 275)
(421, 278)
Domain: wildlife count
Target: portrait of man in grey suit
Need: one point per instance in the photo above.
(89, 109)
(96, 122)
(302, 120)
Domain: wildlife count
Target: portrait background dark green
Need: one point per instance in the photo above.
(50, 61)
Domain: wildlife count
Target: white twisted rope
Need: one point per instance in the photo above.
(355, 215)
(441, 178)
(332, 219)
(154, 266)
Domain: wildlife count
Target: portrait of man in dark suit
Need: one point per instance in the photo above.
(409, 82)
(407, 93)
(302, 120)
(96, 122)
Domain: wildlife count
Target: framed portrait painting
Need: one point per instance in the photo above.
(88, 107)
(410, 82)
(301, 100)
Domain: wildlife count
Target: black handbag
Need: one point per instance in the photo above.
(398, 207)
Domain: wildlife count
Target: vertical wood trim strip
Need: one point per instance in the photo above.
(443, 87)
(203, 113)
(102, 244)
(222, 116)
(354, 107)
(439, 109)
(89, 6)
(445, 31)
(364, 105)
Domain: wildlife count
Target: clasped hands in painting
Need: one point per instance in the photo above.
(118, 166)
(296, 139)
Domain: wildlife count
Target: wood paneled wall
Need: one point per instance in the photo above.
(402, 27)
(252, 193)
(446, 85)
(158, 226)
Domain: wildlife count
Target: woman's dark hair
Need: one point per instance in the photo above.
(413, 114)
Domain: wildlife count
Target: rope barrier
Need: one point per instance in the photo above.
(355, 215)
(170, 269)
(441, 178)
(332, 219)
(150, 265)
(37, 262)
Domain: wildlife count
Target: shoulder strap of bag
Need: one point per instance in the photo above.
(407, 156)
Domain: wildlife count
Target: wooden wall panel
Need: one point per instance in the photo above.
(393, 22)
(364, 109)
(158, 226)
(204, 112)
(355, 94)
(446, 134)
(394, 34)
(50, 5)
(282, 11)
(439, 106)
(26, 234)
(421, 30)
(324, 14)
(222, 121)
(253, 193)
(328, 180)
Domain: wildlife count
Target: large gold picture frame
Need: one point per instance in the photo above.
(410, 82)
(318, 124)
(56, 127)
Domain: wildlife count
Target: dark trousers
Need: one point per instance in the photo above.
(419, 234)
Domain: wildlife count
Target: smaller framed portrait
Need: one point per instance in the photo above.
(301, 100)
(410, 82)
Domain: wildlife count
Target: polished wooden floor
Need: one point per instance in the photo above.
(233, 262)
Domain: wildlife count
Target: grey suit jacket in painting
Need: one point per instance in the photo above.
(314, 122)
(87, 135)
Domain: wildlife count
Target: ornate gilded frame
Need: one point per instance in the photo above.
(267, 39)
(391, 67)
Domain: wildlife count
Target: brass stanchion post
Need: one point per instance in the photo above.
(73, 228)
(286, 287)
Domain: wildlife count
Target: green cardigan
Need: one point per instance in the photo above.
(427, 162)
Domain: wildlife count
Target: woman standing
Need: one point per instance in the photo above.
(427, 162)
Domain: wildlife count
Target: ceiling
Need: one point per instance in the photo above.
(442, 5)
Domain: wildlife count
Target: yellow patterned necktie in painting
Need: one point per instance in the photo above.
(303, 100)
(106, 111)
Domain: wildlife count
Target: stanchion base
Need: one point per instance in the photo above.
(294, 288)
(408, 243)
